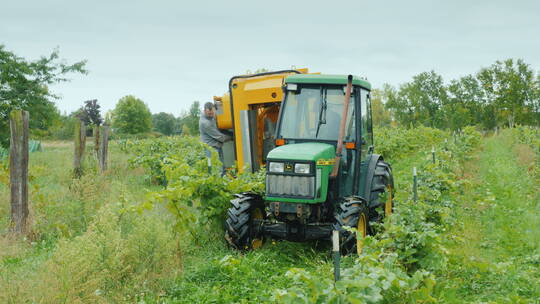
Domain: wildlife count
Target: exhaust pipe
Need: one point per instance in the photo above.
(339, 147)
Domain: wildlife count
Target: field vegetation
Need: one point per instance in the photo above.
(150, 229)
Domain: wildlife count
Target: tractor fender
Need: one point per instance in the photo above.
(370, 172)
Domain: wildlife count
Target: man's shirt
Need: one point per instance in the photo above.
(210, 134)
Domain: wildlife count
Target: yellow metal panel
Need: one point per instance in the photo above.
(264, 84)
(251, 93)
(224, 119)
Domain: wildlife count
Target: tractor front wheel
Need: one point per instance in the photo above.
(352, 213)
(243, 217)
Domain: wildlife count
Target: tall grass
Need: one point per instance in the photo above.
(90, 243)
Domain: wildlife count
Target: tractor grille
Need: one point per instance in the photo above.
(290, 186)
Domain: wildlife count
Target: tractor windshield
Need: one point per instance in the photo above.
(314, 112)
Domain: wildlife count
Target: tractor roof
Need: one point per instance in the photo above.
(326, 79)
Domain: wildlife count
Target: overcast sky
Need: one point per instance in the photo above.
(171, 53)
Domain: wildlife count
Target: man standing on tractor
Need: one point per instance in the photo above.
(210, 134)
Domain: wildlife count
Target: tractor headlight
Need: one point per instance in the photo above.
(302, 168)
(276, 167)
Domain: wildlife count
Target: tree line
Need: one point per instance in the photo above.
(24, 84)
(502, 95)
(130, 117)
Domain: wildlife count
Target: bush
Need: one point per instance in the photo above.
(120, 252)
(395, 143)
(154, 154)
(371, 279)
(131, 116)
(193, 195)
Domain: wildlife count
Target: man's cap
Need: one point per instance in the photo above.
(208, 106)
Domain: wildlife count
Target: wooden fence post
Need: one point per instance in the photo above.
(96, 140)
(80, 142)
(104, 148)
(18, 170)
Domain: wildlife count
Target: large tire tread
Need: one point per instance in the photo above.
(348, 213)
(238, 230)
(381, 179)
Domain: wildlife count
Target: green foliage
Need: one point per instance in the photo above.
(89, 241)
(419, 101)
(510, 86)
(493, 249)
(528, 136)
(465, 102)
(401, 263)
(395, 143)
(465, 142)
(189, 122)
(381, 116)
(215, 274)
(114, 252)
(193, 195)
(90, 113)
(125, 138)
(3, 153)
(503, 94)
(120, 251)
(165, 123)
(154, 154)
(63, 127)
(531, 137)
(131, 116)
(24, 85)
(371, 280)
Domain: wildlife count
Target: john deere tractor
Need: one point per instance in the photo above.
(321, 172)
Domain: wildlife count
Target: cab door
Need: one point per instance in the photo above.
(365, 141)
(366, 125)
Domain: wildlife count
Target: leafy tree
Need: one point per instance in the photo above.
(63, 127)
(503, 94)
(381, 116)
(190, 122)
(185, 130)
(428, 93)
(24, 85)
(90, 113)
(131, 116)
(536, 102)
(108, 117)
(165, 123)
(465, 100)
(510, 88)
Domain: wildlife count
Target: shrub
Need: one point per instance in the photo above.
(395, 143)
(131, 116)
(371, 279)
(120, 251)
(193, 194)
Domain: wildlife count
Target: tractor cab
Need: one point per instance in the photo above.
(310, 119)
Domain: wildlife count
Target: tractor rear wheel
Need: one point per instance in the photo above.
(381, 193)
(353, 213)
(243, 217)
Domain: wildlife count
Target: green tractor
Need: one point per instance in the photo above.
(322, 175)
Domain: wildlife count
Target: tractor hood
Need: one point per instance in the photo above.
(293, 187)
(303, 151)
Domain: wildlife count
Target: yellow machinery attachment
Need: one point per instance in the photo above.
(250, 111)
